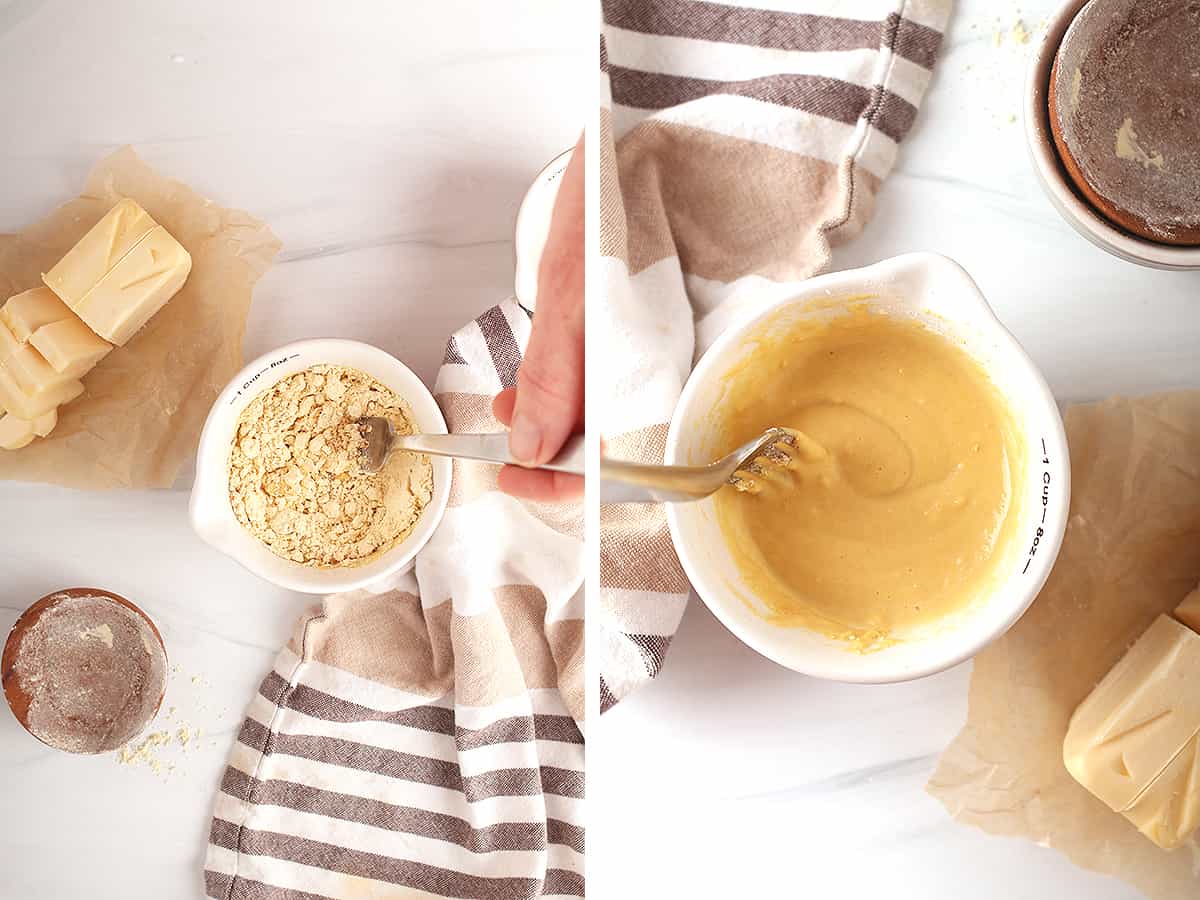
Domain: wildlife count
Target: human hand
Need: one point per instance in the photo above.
(546, 406)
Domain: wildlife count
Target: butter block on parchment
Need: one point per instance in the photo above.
(108, 286)
(28, 367)
(15, 433)
(98, 251)
(45, 423)
(70, 347)
(32, 384)
(31, 405)
(27, 312)
(1128, 742)
(137, 287)
(1169, 809)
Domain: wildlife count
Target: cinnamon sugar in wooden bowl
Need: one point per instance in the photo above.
(1125, 114)
(1052, 168)
(84, 670)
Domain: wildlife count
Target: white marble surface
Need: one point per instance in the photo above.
(388, 144)
(813, 789)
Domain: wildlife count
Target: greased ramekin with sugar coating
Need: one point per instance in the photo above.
(937, 292)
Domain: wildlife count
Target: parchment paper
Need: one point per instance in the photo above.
(145, 403)
(1132, 551)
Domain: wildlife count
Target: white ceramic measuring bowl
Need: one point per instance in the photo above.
(211, 513)
(532, 228)
(940, 294)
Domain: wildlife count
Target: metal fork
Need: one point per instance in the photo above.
(621, 482)
(627, 482)
(382, 439)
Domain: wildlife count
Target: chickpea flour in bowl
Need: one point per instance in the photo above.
(278, 482)
(295, 479)
(923, 504)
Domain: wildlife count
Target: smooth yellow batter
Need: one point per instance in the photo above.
(895, 509)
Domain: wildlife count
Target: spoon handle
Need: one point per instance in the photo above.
(491, 448)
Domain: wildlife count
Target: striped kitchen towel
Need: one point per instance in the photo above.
(424, 738)
(738, 142)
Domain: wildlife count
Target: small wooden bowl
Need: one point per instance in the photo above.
(1116, 187)
(20, 692)
(1070, 202)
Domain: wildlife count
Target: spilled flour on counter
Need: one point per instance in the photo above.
(170, 739)
(142, 752)
(997, 68)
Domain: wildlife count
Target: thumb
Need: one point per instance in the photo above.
(550, 382)
(550, 385)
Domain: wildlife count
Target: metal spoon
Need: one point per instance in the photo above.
(626, 482)
(382, 440)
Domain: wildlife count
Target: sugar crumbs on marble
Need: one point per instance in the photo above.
(160, 750)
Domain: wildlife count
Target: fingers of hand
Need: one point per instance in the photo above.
(549, 402)
(540, 486)
(502, 406)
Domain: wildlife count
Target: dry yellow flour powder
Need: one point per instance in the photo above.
(295, 482)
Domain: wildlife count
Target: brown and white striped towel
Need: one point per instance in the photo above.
(424, 738)
(738, 141)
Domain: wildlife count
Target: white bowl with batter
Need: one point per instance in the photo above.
(212, 514)
(940, 295)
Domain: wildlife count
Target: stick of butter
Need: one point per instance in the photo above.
(45, 424)
(107, 287)
(99, 251)
(26, 365)
(1128, 742)
(1169, 809)
(26, 313)
(35, 404)
(137, 287)
(14, 433)
(70, 347)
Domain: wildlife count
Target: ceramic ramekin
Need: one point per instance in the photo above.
(211, 513)
(939, 293)
(532, 227)
(1078, 213)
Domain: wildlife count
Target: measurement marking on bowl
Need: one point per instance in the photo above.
(1041, 529)
(259, 374)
